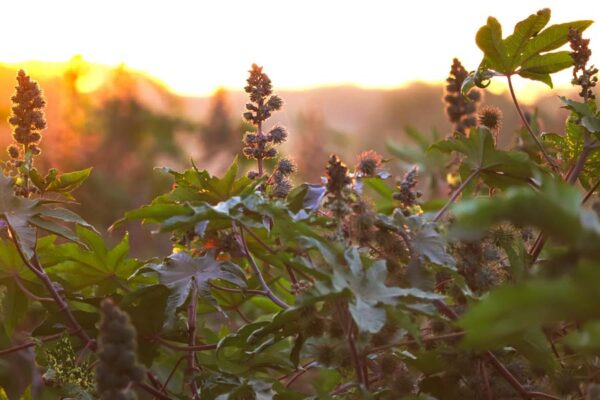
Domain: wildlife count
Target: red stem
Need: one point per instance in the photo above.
(191, 358)
(528, 127)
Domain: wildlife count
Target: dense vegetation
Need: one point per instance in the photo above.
(349, 288)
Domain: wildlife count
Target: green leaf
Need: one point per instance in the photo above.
(525, 51)
(180, 271)
(95, 264)
(17, 211)
(550, 39)
(69, 181)
(497, 168)
(548, 63)
(367, 285)
(489, 40)
(509, 311)
(586, 339)
(426, 241)
(525, 30)
(554, 209)
(147, 324)
(570, 145)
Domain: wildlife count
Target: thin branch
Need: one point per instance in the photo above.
(195, 347)
(258, 239)
(347, 324)
(29, 294)
(35, 267)
(268, 292)
(590, 192)
(147, 388)
(172, 373)
(236, 290)
(155, 381)
(455, 195)
(570, 178)
(304, 369)
(528, 127)
(486, 381)
(408, 342)
(191, 360)
(27, 345)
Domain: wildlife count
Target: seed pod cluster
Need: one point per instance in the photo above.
(117, 364)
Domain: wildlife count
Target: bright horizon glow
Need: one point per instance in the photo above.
(195, 47)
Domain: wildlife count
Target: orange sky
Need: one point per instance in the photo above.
(195, 46)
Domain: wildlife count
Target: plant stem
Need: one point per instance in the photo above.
(27, 345)
(497, 364)
(446, 336)
(152, 391)
(191, 359)
(528, 127)
(192, 348)
(486, 381)
(268, 292)
(303, 370)
(590, 192)
(29, 294)
(455, 195)
(570, 178)
(63, 306)
(261, 145)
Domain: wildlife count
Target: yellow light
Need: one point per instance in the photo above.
(197, 46)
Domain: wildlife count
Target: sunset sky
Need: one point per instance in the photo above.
(196, 46)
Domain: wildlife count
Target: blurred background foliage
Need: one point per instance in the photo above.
(124, 123)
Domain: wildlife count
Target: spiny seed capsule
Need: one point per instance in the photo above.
(278, 134)
(368, 162)
(490, 117)
(286, 166)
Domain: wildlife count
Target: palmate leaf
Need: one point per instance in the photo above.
(23, 215)
(191, 187)
(526, 51)
(367, 285)
(497, 168)
(91, 263)
(180, 271)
